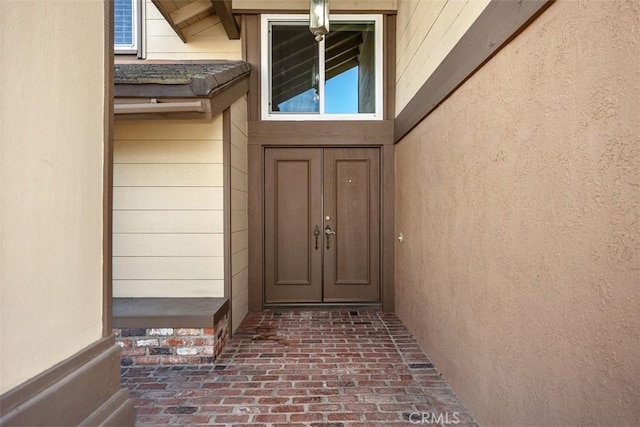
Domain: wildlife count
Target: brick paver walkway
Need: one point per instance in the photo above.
(296, 368)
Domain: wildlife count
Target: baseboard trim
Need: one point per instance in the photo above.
(322, 306)
(117, 411)
(81, 390)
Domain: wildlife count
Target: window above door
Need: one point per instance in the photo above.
(338, 78)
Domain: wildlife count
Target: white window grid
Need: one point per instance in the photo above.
(265, 69)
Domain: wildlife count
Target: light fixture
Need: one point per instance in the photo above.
(319, 18)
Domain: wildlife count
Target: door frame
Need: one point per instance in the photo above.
(343, 134)
(262, 134)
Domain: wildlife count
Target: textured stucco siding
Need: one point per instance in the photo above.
(51, 183)
(519, 200)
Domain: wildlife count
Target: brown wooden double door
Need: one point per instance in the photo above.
(322, 225)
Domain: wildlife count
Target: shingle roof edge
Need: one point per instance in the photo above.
(183, 79)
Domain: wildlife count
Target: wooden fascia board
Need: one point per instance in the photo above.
(498, 24)
(223, 99)
(302, 6)
(224, 12)
(330, 132)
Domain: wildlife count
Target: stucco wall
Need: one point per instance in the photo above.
(168, 209)
(51, 150)
(519, 200)
(425, 33)
(239, 212)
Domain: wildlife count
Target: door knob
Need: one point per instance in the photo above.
(328, 232)
(316, 233)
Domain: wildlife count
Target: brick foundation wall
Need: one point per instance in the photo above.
(171, 346)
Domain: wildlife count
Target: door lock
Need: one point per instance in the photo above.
(316, 233)
(328, 232)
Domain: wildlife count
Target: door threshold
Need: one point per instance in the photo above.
(322, 306)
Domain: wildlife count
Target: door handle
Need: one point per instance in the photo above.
(316, 233)
(328, 232)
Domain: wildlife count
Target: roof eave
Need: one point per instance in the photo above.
(176, 95)
(212, 105)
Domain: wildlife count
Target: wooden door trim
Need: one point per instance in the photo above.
(387, 219)
(256, 157)
(256, 230)
(226, 227)
(321, 133)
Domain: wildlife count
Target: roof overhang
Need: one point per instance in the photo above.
(185, 89)
(189, 17)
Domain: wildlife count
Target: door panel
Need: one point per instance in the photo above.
(292, 208)
(352, 200)
(304, 187)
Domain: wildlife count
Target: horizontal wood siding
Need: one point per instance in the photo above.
(206, 39)
(195, 151)
(169, 175)
(167, 268)
(426, 32)
(166, 288)
(168, 209)
(161, 198)
(164, 245)
(168, 221)
(239, 212)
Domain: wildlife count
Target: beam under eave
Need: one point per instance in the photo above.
(167, 16)
(223, 10)
(200, 26)
(189, 11)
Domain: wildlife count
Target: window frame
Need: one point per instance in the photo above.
(265, 69)
(135, 48)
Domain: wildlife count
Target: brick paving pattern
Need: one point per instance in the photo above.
(303, 368)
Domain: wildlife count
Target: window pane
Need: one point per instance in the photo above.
(123, 22)
(294, 69)
(350, 68)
